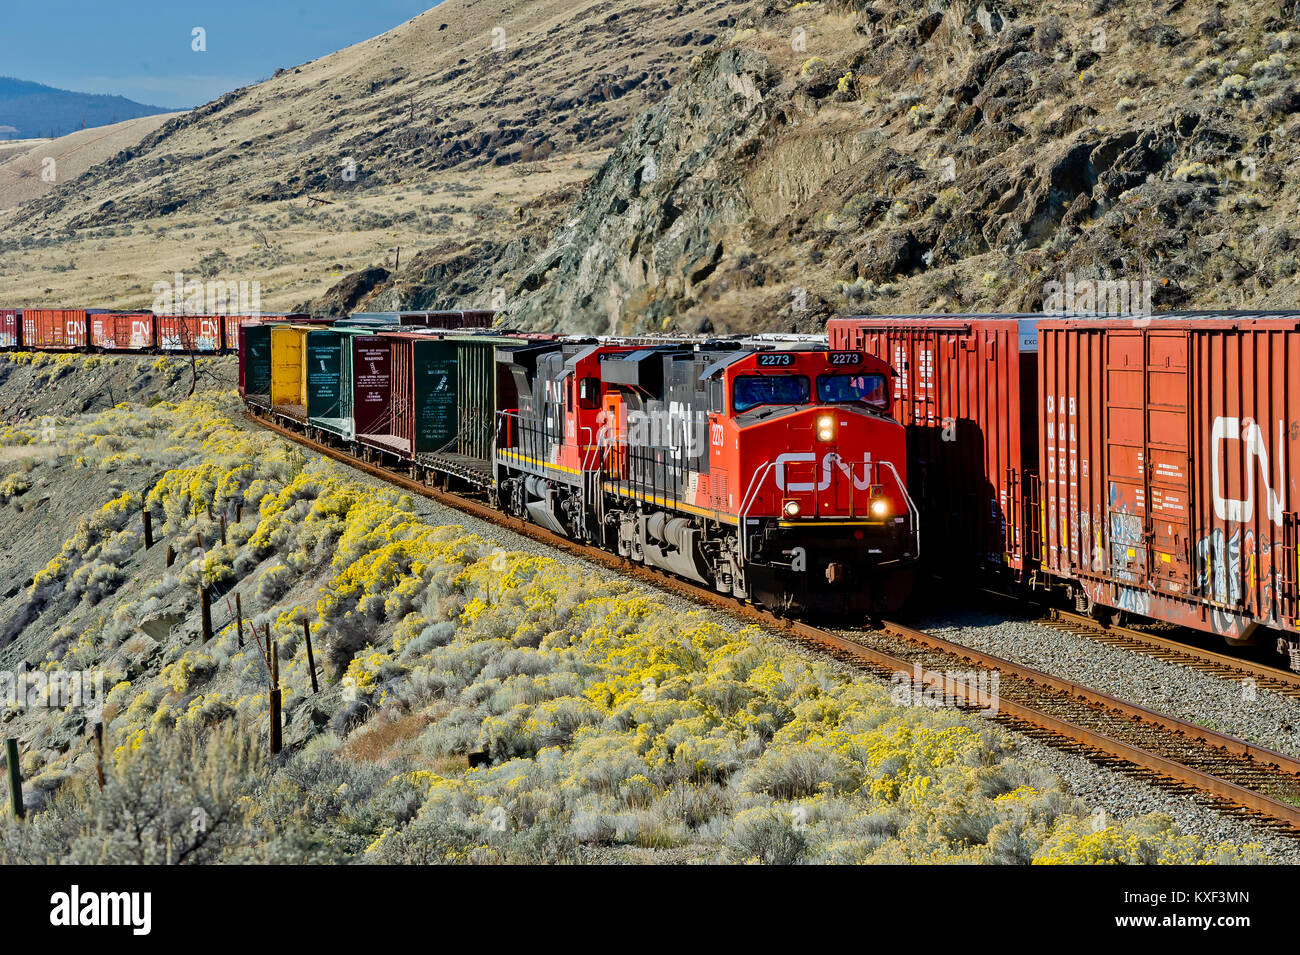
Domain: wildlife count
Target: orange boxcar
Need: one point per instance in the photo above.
(54, 329)
(122, 331)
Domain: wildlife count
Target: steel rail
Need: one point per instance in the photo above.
(1162, 647)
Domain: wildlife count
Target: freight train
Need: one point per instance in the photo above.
(1144, 466)
(1135, 466)
(770, 470)
(98, 330)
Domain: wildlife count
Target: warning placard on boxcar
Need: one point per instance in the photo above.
(372, 384)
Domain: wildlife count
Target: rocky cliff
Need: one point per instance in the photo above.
(841, 157)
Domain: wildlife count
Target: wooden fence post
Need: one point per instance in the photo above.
(205, 610)
(275, 694)
(148, 529)
(99, 754)
(223, 530)
(15, 778)
(239, 618)
(311, 660)
(171, 555)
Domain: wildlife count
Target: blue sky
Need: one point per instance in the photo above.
(141, 49)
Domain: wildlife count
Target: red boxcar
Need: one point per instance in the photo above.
(230, 331)
(10, 328)
(54, 329)
(231, 325)
(190, 333)
(964, 387)
(1168, 468)
(122, 331)
(375, 391)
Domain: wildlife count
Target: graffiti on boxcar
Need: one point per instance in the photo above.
(1228, 572)
(1133, 601)
(1218, 566)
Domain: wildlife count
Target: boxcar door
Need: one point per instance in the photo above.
(1126, 448)
(1167, 480)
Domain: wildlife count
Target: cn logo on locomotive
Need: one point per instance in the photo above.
(830, 461)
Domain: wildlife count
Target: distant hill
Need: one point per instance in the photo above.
(34, 110)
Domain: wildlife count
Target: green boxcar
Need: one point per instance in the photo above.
(329, 381)
(456, 392)
(437, 372)
(476, 397)
(256, 379)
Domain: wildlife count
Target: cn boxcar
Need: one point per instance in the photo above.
(230, 330)
(55, 329)
(122, 331)
(190, 333)
(965, 388)
(10, 327)
(1169, 466)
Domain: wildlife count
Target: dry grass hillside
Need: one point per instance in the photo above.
(623, 166)
(23, 163)
(447, 138)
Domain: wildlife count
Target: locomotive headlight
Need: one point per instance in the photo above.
(879, 507)
(791, 509)
(826, 428)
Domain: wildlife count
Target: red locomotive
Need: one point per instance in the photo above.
(776, 475)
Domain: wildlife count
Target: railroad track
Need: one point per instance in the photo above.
(1233, 776)
(1185, 654)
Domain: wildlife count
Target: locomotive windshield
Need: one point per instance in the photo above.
(849, 389)
(751, 391)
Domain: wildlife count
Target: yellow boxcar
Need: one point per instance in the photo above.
(288, 368)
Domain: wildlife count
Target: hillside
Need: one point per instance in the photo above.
(453, 148)
(34, 109)
(943, 159)
(25, 172)
(732, 166)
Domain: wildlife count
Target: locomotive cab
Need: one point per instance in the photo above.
(776, 475)
(825, 523)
